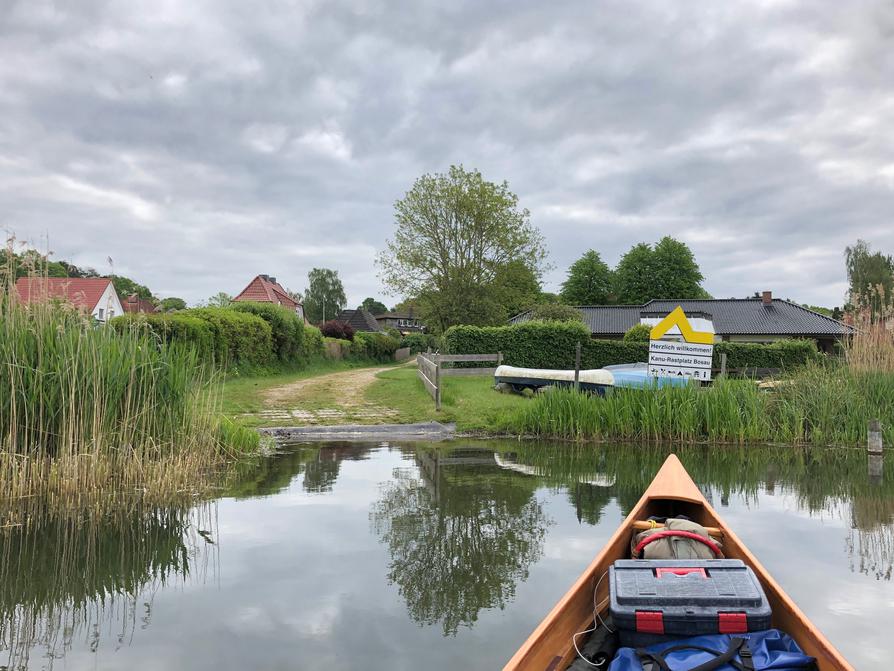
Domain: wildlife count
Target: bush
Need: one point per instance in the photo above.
(556, 312)
(551, 345)
(287, 328)
(239, 338)
(312, 347)
(170, 328)
(638, 333)
(420, 342)
(336, 329)
(374, 346)
(780, 354)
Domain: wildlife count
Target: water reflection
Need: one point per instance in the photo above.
(461, 534)
(65, 580)
(455, 529)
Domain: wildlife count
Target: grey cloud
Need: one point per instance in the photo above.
(198, 144)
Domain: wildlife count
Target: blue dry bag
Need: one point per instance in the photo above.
(769, 650)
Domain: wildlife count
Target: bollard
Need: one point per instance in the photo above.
(577, 367)
(874, 438)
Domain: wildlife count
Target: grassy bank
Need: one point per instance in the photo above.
(246, 394)
(471, 402)
(818, 405)
(86, 411)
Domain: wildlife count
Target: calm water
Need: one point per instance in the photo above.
(414, 556)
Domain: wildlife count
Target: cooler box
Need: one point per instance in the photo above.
(653, 600)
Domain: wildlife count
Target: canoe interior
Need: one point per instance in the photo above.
(672, 493)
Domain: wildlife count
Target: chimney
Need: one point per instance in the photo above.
(767, 298)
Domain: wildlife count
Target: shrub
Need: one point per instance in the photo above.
(552, 344)
(638, 333)
(556, 312)
(420, 342)
(374, 346)
(287, 328)
(781, 354)
(171, 328)
(240, 339)
(336, 329)
(312, 347)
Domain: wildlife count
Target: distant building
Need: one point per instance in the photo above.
(94, 295)
(759, 320)
(359, 320)
(133, 304)
(402, 320)
(265, 289)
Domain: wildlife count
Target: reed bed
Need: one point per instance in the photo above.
(825, 403)
(87, 413)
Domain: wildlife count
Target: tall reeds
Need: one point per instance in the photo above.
(829, 403)
(86, 411)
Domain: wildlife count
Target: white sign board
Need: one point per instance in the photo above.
(680, 359)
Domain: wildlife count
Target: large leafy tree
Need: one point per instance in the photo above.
(668, 270)
(324, 296)
(373, 306)
(172, 303)
(126, 286)
(633, 275)
(515, 288)
(219, 300)
(589, 281)
(871, 278)
(456, 233)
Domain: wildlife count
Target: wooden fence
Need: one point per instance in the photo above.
(430, 370)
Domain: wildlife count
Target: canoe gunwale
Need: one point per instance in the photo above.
(549, 645)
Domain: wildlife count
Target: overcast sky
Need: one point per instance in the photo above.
(200, 143)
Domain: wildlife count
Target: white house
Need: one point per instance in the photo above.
(94, 295)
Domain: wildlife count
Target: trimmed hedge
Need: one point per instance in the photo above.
(312, 347)
(552, 345)
(420, 342)
(168, 328)
(374, 346)
(239, 338)
(287, 329)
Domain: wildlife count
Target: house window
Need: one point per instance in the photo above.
(112, 313)
(100, 314)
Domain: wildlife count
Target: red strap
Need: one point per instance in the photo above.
(732, 623)
(680, 534)
(649, 622)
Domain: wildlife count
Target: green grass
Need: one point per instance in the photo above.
(471, 402)
(245, 394)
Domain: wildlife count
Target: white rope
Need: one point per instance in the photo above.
(597, 618)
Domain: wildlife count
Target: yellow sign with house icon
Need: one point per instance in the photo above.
(676, 349)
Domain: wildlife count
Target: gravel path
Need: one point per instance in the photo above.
(333, 398)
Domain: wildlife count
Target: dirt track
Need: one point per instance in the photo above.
(334, 398)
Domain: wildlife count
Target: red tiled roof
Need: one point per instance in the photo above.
(83, 292)
(134, 304)
(262, 290)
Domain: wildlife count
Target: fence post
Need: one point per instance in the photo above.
(874, 437)
(577, 366)
(723, 364)
(437, 381)
(499, 359)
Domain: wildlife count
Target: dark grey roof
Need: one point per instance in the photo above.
(360, 320)
(732, 316)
